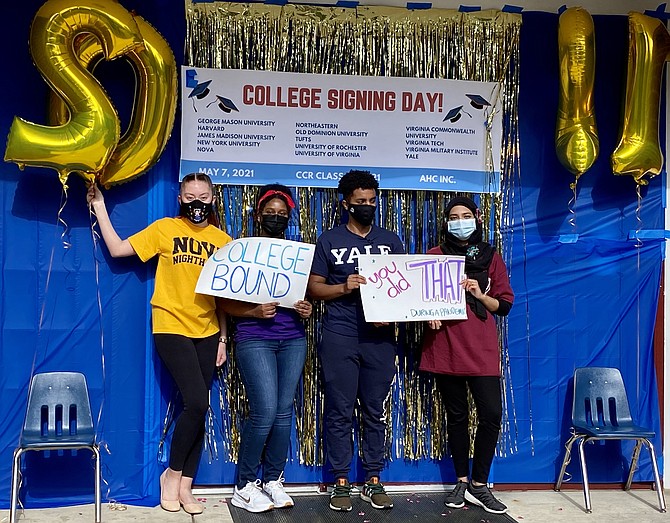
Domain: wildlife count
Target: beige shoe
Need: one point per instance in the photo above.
(192, 508)
(170, 505)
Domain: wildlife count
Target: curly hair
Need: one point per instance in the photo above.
(276, 190)
(355, 179)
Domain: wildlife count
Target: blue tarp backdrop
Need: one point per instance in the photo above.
(587, 302)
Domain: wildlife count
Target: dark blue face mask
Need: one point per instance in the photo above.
(196, 211)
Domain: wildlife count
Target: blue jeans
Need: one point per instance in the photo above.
(270, 371)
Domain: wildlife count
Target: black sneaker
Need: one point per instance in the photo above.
(373, 492)
(456, 498)
(482, 496)
(340, 497)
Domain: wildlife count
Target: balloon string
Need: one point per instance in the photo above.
(66, 245)
(102, 444)
(95, 237)
(524, 236)
(571, 206)
(66, 227)
(638, 245)
(638, 219)
(44, 301)
(111, 502)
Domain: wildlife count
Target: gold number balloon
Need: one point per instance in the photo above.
(154, 108)
(153, 112)
(639, 153)
(577, 143)
(85, 143)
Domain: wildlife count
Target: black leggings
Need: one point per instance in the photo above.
(486, 394)
(191, 362)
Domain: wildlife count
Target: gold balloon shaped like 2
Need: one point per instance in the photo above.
(638, 153)
(66, 42)
(577, 143)
(154, 108)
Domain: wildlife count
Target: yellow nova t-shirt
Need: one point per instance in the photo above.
(183, 249)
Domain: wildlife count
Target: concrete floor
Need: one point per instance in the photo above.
(536, 506)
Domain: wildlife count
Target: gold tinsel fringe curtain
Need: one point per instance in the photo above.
(376, 41)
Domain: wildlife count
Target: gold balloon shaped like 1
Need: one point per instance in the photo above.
(577, 142)
(638, 153)
(153, 111)
(86, 142)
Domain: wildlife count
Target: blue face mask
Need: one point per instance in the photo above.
(462, 229)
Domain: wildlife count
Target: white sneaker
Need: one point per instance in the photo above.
(251, 498)
(275, 489)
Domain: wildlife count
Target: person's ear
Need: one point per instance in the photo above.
(179, 198)
(346, 208)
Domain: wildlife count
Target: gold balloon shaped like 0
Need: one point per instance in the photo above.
(577, 142)
(153, 111)
(638, 153)
(85, 143)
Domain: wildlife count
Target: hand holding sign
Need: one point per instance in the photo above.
(266, 310)
(268, 271)
(354, 281)
(303, 308)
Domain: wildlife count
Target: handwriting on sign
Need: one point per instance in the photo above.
(440, 279)
(277, 256)
(387, 275)
(249, 281)
(258, 269)
(428, 287)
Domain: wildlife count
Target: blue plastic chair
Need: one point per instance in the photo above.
(600, 411)
(58, 417)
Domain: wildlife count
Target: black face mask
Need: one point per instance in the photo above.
(274, 224)
(363, 214)
(196, 210)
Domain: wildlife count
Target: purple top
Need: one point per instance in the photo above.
(286, 325)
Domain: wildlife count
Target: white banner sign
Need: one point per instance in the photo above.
(258, 127)
(258, 270)
(412, 287)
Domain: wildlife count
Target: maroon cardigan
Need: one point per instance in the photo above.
(468, 347)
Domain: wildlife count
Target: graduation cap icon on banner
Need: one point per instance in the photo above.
(225, 104)
(477, 101)
(455, 114)
(199, 91)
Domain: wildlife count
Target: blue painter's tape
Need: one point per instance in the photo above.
(419, 5)
(568, 238)
(659, 13)
(649, 234)
(512, 9)
(469, 8)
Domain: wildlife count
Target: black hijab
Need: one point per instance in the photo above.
(478, 253)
